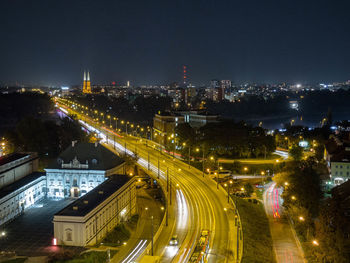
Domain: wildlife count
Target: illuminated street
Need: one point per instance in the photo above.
(200, 205)
(285, 244)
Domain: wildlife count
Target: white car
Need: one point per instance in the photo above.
(174, 241)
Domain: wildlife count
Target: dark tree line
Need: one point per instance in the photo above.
(228, 139)
(47, 138)
(15, 106)
(136, 109)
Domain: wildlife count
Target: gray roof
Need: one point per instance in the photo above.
(92, 199)
(11, 157)
(20, 183)
(96, 156)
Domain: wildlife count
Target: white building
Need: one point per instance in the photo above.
(18, 196)
(17, 165)
(337, 156)
(88, 220)
(80, 168)
(20, 185)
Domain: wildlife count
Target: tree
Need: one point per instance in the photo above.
(236, 167)
(185, 133)
(249, 189)
(332, 230)
(319, 152)
(296, 152)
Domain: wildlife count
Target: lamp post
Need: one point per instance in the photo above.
(245, 170)
(116, 123)
(152, 233)
(109, 117)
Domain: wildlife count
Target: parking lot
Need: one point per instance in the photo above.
(31, 234)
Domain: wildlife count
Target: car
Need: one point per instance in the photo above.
(174, 241)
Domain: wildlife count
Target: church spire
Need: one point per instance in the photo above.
(88, 76)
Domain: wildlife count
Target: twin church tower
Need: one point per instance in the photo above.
(87, 84)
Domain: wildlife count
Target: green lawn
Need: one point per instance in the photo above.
(257, 241)
(117, 236)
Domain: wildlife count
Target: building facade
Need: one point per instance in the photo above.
(80, 168)
(16, 197)
(87, 221)
(16, 166)
(164, 127)
(337, 156)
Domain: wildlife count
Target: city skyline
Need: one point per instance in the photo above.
(149, 43)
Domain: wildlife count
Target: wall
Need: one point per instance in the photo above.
(94, 226)
(16, 170)
(12, 205)
(340, 172)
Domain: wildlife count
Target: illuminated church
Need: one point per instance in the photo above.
(87, 84)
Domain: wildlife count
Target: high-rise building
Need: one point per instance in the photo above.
(225, 84)
(87, 83)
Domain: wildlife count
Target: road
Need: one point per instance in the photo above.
(285, 243)
(199, 204)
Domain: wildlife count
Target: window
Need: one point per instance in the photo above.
(68, 234)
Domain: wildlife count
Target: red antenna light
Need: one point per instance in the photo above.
(184, 75)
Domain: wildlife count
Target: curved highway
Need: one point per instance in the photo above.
(199, 204)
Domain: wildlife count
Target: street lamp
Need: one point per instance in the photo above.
(245, 169)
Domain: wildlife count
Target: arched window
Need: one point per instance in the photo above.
(68, 234)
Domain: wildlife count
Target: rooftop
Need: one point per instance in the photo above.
(11, 157)
(20, 183)
(92, 155)
(92, 199)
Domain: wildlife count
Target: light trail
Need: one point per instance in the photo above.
(182, 207)
(135, 251)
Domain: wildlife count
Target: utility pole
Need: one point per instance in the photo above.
(237, 259)
(158, 168)
(167, 179)
(152, 234)
(189, 157)
(166, 210)
(170, 191)
(148, 160)
(203, 162)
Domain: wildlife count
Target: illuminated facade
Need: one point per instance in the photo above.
(81, 168)
(20, 185)
(22, 194)
(87, 221)
(87, 83)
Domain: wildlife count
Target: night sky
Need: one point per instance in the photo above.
(147, 42)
